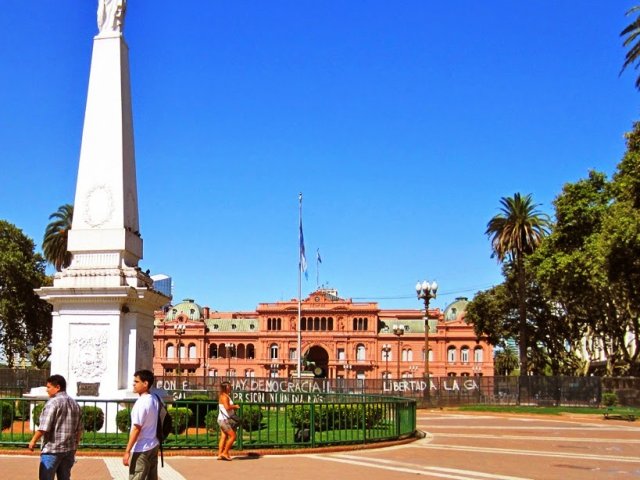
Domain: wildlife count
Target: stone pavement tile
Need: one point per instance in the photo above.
(281, 467)
(25, 467)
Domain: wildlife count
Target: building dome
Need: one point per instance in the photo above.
(188, 307)
(453, 311)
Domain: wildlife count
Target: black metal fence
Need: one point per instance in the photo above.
(437, 392)
(441, 391)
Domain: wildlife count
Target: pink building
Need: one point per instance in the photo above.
(340, 338)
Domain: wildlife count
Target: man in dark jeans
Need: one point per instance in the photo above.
(60, 429)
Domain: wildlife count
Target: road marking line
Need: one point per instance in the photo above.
(452, 474)
(119, 472)
(544, 439)
(532, 453)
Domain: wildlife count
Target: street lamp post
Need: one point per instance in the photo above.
(426, 291)
(180, 329)
(398, 331)
(347, 368)
(386, 348)
(229, 347)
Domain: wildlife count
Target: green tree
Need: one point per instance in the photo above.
(515, 233)
(505, 362)
(25, 320)
(590, 265)
(56, 236)
(632, 42)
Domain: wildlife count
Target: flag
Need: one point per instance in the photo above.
(319, 259)
(303, 259)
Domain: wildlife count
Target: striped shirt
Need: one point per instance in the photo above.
(61, 422)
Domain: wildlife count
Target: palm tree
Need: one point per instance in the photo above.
(505, 362)
(54, 244)
(515, 233)
(632, 41)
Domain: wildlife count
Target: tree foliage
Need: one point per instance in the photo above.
(54, 244)
(582, 283)
(25, 320)
(515, 233)
(632, 42)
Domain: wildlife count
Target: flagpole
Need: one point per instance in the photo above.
(300, 246)
(318, 269)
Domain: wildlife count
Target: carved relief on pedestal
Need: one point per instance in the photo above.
(88, 354)
(98, 206)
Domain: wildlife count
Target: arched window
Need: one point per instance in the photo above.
(430, 355)
(478, 355)
(407, 355)
(171, 351)
(240, 351)
(360, 352)
(192, 350)
(213, 351)
(183, 351)
(273, 350)
(386, 354)
(451, 354)
(464, 354)
(251, 351)
(249, 373)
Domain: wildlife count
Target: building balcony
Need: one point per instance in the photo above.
(172, 362)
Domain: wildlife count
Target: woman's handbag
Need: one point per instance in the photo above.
(234, 421)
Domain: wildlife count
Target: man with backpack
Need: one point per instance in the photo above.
(141, 454)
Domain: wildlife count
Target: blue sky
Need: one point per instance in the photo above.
(401, 122)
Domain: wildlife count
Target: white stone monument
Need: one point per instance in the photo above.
(103, 303)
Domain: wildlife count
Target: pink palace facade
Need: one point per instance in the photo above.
(340, 339)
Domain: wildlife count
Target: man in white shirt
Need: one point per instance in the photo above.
(141, 454)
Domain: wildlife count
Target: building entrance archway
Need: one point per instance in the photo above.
(318, 360)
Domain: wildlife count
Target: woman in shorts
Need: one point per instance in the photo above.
(227, 433)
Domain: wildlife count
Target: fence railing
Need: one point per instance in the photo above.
(441, 391)
(324, 419)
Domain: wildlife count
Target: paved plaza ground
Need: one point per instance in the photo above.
(458, 445)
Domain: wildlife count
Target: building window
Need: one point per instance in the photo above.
(360, 352)
(293, 354)
(171, 351)
(273, 350)
(386, 354)
(464, 354)
(213, 372)
(341, 356)
(360, 324)
(478, 356)
(407, 355)
(213, 351)
(430, 355)
(249, 373)
(192, 350)
(231, 373)
(274, 324)
(451, 354)
(251, 352)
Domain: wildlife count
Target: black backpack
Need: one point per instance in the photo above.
(164, 427)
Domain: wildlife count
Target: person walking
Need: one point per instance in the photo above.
(60, 429)
(227, 432)
(141, 454)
